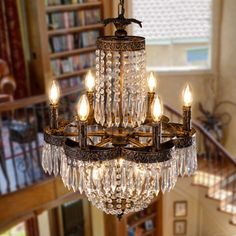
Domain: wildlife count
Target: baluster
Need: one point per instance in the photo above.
(37, 143)
(29, 141)
(3, 159)
(10, 120)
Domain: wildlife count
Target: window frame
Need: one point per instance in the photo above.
(214, 48)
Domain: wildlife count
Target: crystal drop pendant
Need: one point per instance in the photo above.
(130, 184)
(81, 180)
(107, 181)
(156, 184)
(123, 180)
(113, 180)
(75, 180)
(50, 158)
(55, 163)
(163, 180)
(45, 158)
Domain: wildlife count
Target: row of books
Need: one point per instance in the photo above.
(73, 41)
(72, 82)
(71, 64)
(64, 20)
(64, 2)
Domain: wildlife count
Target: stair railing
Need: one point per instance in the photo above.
(21, 138)
(216, 166)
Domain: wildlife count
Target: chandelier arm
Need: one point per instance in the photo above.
(104, 142)
(135, 142)
(91, 141)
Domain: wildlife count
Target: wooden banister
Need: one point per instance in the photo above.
(18, 104)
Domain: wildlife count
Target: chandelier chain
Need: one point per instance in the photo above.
(121, 7)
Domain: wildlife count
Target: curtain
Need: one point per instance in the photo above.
(11, 48)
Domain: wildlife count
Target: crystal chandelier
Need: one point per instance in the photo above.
(120, 150)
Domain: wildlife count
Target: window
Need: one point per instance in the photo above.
(197, 55)
(178, 32)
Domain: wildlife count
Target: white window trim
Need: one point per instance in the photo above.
(214, 49)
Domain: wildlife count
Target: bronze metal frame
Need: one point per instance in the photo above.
(178, 135)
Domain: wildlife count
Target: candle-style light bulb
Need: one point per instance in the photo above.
(187, 96)
(152, 82)
(54, 93)
(83, 108)
(157, 109)
(90, 81)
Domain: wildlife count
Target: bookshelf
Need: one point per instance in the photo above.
(62, 38)
(148, 222)
(144, 223)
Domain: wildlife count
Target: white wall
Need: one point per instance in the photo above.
(43, 222)
(203, 218)
(227, 81)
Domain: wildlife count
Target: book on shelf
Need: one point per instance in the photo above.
(72, 64)
(56, 67)
(92, 16)
(66, 2)
(89, 38)
(67, 65)
(62, 43)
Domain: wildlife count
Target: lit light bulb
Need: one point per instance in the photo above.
(187, 96)
(54, 93)
(83, 108)
(157, 109)
(90, 81)
(152, 82)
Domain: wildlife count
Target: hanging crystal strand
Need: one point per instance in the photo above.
(45, 156)
(113, 180)
(116, 110)
(168, 179)
(57, 151)
(106, 181)
(68, 178)
(188, 164)
(143, 86)
(74, 179)
(137, 70)
(181, 162)
(89, 185)
(130, 182)
(97, 82)
(109, 89)
(125, 98)
(147, 187)
(194, 154)
(164, 179)
(156, 183)
(81, 179)
(102, 90)
(133, 88)
(123, 179)
(50, 160)
(139, 176)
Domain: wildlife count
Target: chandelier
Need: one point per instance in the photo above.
(120, 150)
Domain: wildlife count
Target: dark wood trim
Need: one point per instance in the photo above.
(18, 104)
(73, 7)
(32, 201)
(75, 29)
(73, 74)
(32, 227)
(72, 52)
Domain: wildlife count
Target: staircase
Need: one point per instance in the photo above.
(216, 168)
